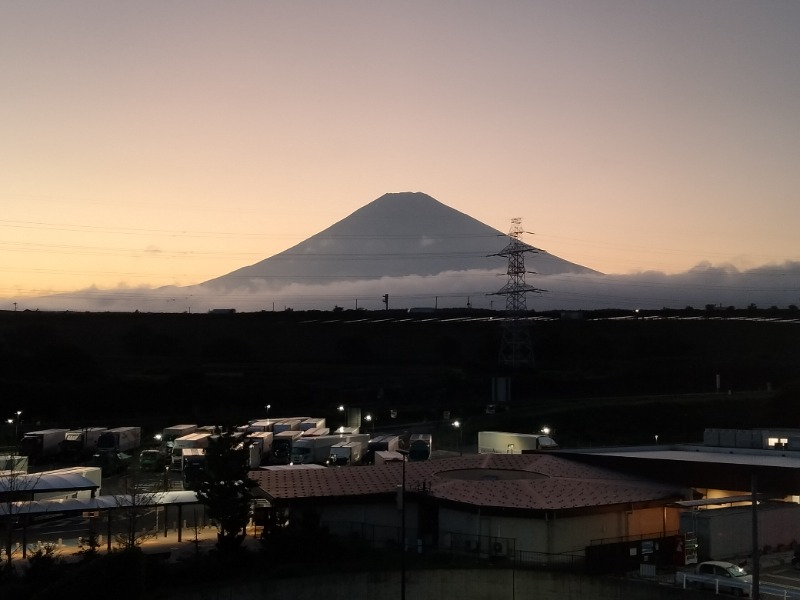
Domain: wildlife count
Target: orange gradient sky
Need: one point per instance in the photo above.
(151, 143)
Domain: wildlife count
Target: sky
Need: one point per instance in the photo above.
(155, 143)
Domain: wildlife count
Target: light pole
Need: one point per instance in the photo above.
(371, 419)
(403, 528)
(267, 407)
(457, 425)
(15, 421)
(342, 409)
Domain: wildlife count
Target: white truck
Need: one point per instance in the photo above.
(259, 425)
(349, 450)
(81, 443)
(191, 440)
(312, 424)
(346, 453)
(41, 445)
(313, 449)
(121, 439)
(259, 445)
(502, 442)
(170, 434)
(287, 425)
(383, 443)
(282, 443)
(315, 431)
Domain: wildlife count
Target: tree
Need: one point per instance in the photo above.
(132, 506)
(226, 490)
(16, 488)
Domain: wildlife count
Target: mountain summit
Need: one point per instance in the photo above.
(397, 235)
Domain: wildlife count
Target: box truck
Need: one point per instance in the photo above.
(313, 449)
(191, 440)
(501, 442)
(316, 431)
(312, 424)
(81, 443)
(170, 434)
(287, 425)
(38, 446)
(282, 442)
(385, 443)
(259, 446)
(346, 453)
(121, 439)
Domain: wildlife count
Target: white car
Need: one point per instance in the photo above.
(725, 576)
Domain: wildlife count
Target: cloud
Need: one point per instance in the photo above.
(723, 285)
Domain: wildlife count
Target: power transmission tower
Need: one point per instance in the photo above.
(516, 349)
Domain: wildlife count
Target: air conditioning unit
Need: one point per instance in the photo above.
(499, 548)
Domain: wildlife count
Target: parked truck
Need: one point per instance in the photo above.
(282, 443)
(501, 442)
(313, 423)
(170, 434)
(193, 466)
(287, 424)
(420, 446)
(389, 443)
(81, 443)
(41, 445)
(259, 446)
(191, 440)
(316, 431)
(346, 453)
(313, 449)
(121, 439)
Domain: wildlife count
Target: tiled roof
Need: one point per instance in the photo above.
(517, 481)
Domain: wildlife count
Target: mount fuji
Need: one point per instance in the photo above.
(397, 235)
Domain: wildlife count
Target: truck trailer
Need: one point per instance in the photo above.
(38, 446)
(259, 446)
(282, 443)
(313, 449)
(502, 442)
(81, 443)
(191, 440)
(170, 434)
(121, 439)
(384, 443)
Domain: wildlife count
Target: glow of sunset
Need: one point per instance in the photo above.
(152, 143)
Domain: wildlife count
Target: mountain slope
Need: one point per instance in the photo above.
(396, 235)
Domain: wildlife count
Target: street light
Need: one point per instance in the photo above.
(343, 410)
(403, 528)
(371, 419)
(267, 407)
(15, 421)
(457, 425)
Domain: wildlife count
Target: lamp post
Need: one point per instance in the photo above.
(371, 419)
(267, 407)
(15, 421)
(457, 425)
(342, 409)
(403, 528)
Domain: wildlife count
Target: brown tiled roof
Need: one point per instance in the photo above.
(517, 481)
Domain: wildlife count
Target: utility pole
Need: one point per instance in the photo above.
(386, 300)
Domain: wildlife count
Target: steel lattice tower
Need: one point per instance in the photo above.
(516, 349)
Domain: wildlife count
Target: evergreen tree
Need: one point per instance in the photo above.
(226, 490)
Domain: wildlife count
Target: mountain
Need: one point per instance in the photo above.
(397, 235)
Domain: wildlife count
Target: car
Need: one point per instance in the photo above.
(725, 576)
